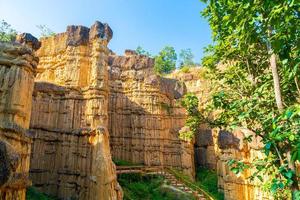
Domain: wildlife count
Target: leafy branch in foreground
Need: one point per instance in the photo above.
(255, 72)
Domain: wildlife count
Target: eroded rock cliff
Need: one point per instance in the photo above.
(145, 116)
(205, 148)
(71, 156)
(214, 147)
(17, 71)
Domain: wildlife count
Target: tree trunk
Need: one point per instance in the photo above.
(276, 81)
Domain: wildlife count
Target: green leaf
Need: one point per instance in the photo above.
(294, 156)
(292, 137)
(246, 6)
(235, 170)
(268, 145)
(231, 162)
(289, 174)
(288, 114)
(281, 185)
(274, 187)
(285, 61)
(260, 178)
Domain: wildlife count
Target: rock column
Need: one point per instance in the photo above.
(71, 156)
(17, 71)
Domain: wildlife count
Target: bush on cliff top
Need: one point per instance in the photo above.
(165, 61)
(7, 33)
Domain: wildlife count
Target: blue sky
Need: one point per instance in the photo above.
(151, 24)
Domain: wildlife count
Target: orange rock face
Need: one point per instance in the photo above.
(17, 70)
(87, 106)
(71, 156)
(145, 115)
(214, 148)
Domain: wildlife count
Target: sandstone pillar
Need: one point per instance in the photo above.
(17, 70)
(71, 153)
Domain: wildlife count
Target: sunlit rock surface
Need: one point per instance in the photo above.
(71, 156)
(145, 115)
(17, 71)
(214, 148)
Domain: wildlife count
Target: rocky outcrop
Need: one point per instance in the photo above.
(145, 116)
(205, 152)
(214, 148)
(17, 70)
(71, 156)
(233, 146)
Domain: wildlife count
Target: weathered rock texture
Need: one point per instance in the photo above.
(144, 115)
(17, 70)
(233, 146)
(205, 152)
(214, 148)
(71, 153)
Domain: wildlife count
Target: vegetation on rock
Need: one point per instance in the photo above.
(208, 180)
(124, 163)
(190, 103)
(148, 187)
(140, 51)
(33, 194)
(7, 33)
(165, 61)
(186, 58)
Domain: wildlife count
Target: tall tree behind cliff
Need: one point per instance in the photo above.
(165, 61)
(186, 58)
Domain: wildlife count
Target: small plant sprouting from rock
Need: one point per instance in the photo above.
(185, 69)
(7, 33)
(166, 107)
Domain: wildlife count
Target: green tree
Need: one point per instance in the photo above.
(140, 51)
(165, 61)
(45, 31)
(190, 102)
(7, 33)
(256, 48)
(186, 58)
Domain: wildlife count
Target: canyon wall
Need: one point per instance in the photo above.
(89, 105)
(214, 147)
(17, 71)
(145, 115)
(71, 156)
(205, 148)
(231, 145)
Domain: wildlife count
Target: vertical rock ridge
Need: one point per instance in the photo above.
(17, 71)
(71, 153)
(144, 115)
(214, 148)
